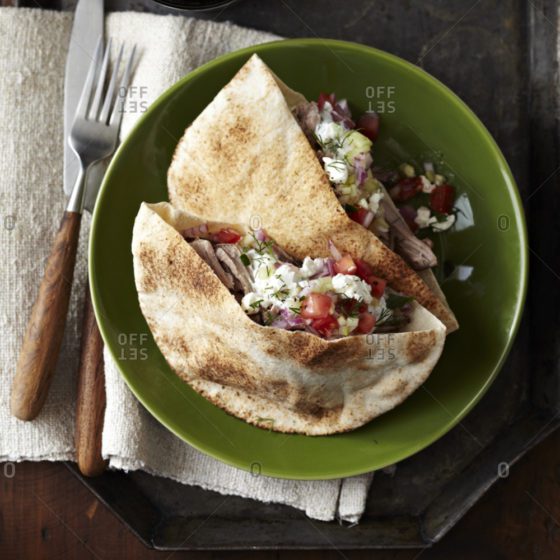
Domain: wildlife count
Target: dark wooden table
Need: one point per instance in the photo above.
(45, 512)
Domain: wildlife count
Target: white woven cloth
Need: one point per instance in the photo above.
(33, 46)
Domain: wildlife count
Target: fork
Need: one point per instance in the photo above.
(93, 137)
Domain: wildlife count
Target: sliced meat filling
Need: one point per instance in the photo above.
(230, 256)
(307, 115)
(206, 252)
(407, 245)
(282, 255)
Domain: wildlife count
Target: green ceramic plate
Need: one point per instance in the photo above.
(421, 120)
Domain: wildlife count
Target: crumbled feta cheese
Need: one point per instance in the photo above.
(363, 203)
(427, 187)
(423, 215)
(336, 169)
(310, 266)
(425, 219)
(374, 201)
(445, 224)
(251, 302)
(321, 285)
(352, 287)
(327, 132)
(262, 263)
(377, 307)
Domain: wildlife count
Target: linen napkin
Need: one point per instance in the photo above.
(33, 46)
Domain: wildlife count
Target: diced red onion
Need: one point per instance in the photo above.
(260, 235)
(344, 109)
(341, 114)
(361, 175)
(387, 177)
(292, 319)
(334, 251)
(288, 320)
(408, 213)
(279, 323)
(330, 267)
(428, 167)
(368, 218)
(310, 329)
(196, 231)
(325, 270)
(362, 162)
(406, 308)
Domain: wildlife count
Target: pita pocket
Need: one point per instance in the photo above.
(287, 381)
(245, 159)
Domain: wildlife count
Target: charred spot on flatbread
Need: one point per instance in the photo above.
(418, 345)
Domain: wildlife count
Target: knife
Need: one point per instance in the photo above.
(90, 399)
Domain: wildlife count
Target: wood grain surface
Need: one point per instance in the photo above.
(45, 329)
(90, 400)
(46, 513)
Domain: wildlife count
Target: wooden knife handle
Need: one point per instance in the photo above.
(42, 340)
(90, 403)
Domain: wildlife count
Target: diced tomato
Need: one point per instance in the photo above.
(358, 215)
(363, 270)
(345, 265)
(324, 97)
(405, 189)
(228, 235)
(366, 323)
(326, 325)
(316, 306)
(409, 213)
(377, 286)
(368, 125)
(442, 198)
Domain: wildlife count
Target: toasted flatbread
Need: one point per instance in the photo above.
(276, 379)
(245, 159)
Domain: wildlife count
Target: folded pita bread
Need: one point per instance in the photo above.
(287, 381)
(245, 159)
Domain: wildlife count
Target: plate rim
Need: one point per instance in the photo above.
(512, 188)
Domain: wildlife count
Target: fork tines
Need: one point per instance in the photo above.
(106, 104)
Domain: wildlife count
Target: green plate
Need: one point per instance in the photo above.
(421, 120)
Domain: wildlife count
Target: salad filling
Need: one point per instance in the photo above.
(330, 297)
(424, 201)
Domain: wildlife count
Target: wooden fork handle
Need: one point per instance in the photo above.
(90, 403)
(42, 340)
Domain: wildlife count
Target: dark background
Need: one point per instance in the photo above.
(46, 512)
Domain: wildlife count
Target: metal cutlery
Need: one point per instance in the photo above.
(93, 137)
